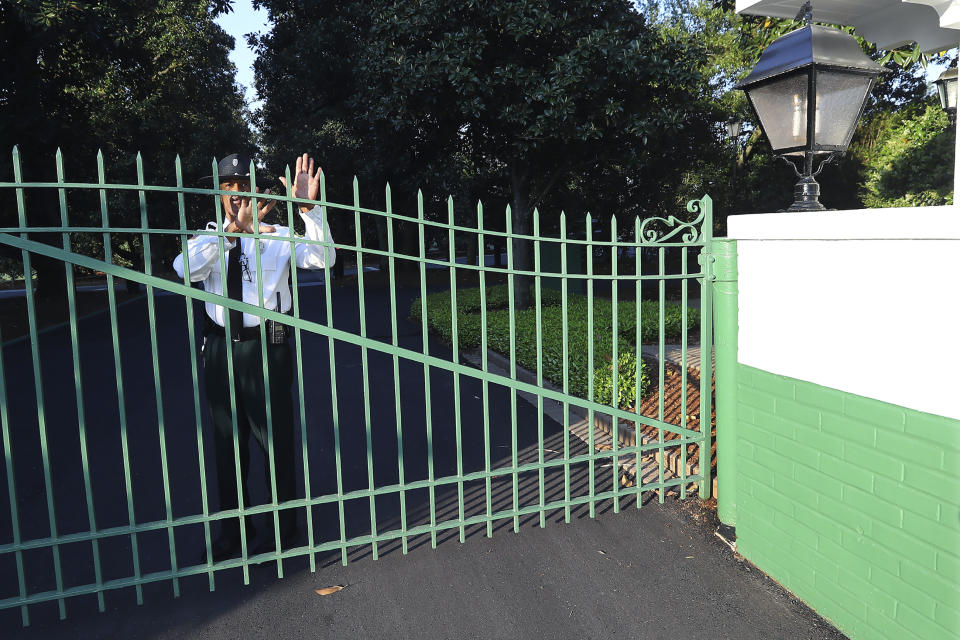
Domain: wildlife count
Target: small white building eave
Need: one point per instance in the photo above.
(933, 24)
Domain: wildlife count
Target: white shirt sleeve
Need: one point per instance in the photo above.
(203, 252)
(314, 256)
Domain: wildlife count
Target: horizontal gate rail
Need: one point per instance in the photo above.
(698, 242)
(385, 536)
(145, 527)
(433, 262)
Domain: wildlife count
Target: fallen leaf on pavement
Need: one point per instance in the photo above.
(328, 590)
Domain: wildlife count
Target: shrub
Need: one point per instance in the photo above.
(911, 163)
(470, 329)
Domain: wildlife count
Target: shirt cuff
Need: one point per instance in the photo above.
(314, 216)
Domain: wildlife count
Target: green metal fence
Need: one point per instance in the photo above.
(401, 437)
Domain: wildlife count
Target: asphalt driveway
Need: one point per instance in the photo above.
(635, 574)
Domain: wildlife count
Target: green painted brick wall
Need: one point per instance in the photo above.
(852, 504)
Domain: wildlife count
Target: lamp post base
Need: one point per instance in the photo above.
(806, 196)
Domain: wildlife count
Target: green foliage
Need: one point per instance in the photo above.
(469, 335)
(910, 164)
(626, 381)
(120, 77)
(558, 104)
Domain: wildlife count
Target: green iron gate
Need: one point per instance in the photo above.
(402, 436)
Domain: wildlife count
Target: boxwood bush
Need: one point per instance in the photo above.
(440, 321)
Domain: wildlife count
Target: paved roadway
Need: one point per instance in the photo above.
(636, 574)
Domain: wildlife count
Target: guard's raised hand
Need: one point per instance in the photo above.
(306, 183)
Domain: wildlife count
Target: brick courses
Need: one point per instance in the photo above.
(851, 503)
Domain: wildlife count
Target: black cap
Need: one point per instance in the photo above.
(235, 166)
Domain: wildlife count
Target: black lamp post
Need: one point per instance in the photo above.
(734, 126)
(947, 90)
(808, 90)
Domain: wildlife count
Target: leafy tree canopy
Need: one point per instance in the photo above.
(122, 76)
(910, 162)
(517, 98)
(540, 89)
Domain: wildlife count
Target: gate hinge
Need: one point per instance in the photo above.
(707, 262)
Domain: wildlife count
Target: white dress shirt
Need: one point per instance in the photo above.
(204, 254)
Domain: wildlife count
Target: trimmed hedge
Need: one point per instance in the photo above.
(440, 321)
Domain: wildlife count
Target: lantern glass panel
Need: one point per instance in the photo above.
(733, 128)
(840, 97)
(951, 90)
(782, 107)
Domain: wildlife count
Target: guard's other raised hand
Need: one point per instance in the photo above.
(245, 214)
(306, 183)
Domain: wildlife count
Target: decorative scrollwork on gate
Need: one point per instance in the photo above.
(660, 230)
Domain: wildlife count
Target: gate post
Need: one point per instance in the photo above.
(725, 342)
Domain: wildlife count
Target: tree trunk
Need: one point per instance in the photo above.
(382, 242)
(37, 143)
(520, 217)
(43, 210)
(409, 246)
(473, 254)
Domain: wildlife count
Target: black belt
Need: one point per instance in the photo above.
(276, 332)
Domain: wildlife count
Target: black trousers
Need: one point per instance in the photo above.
(251, 419)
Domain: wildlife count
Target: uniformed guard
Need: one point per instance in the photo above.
(276, 257)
